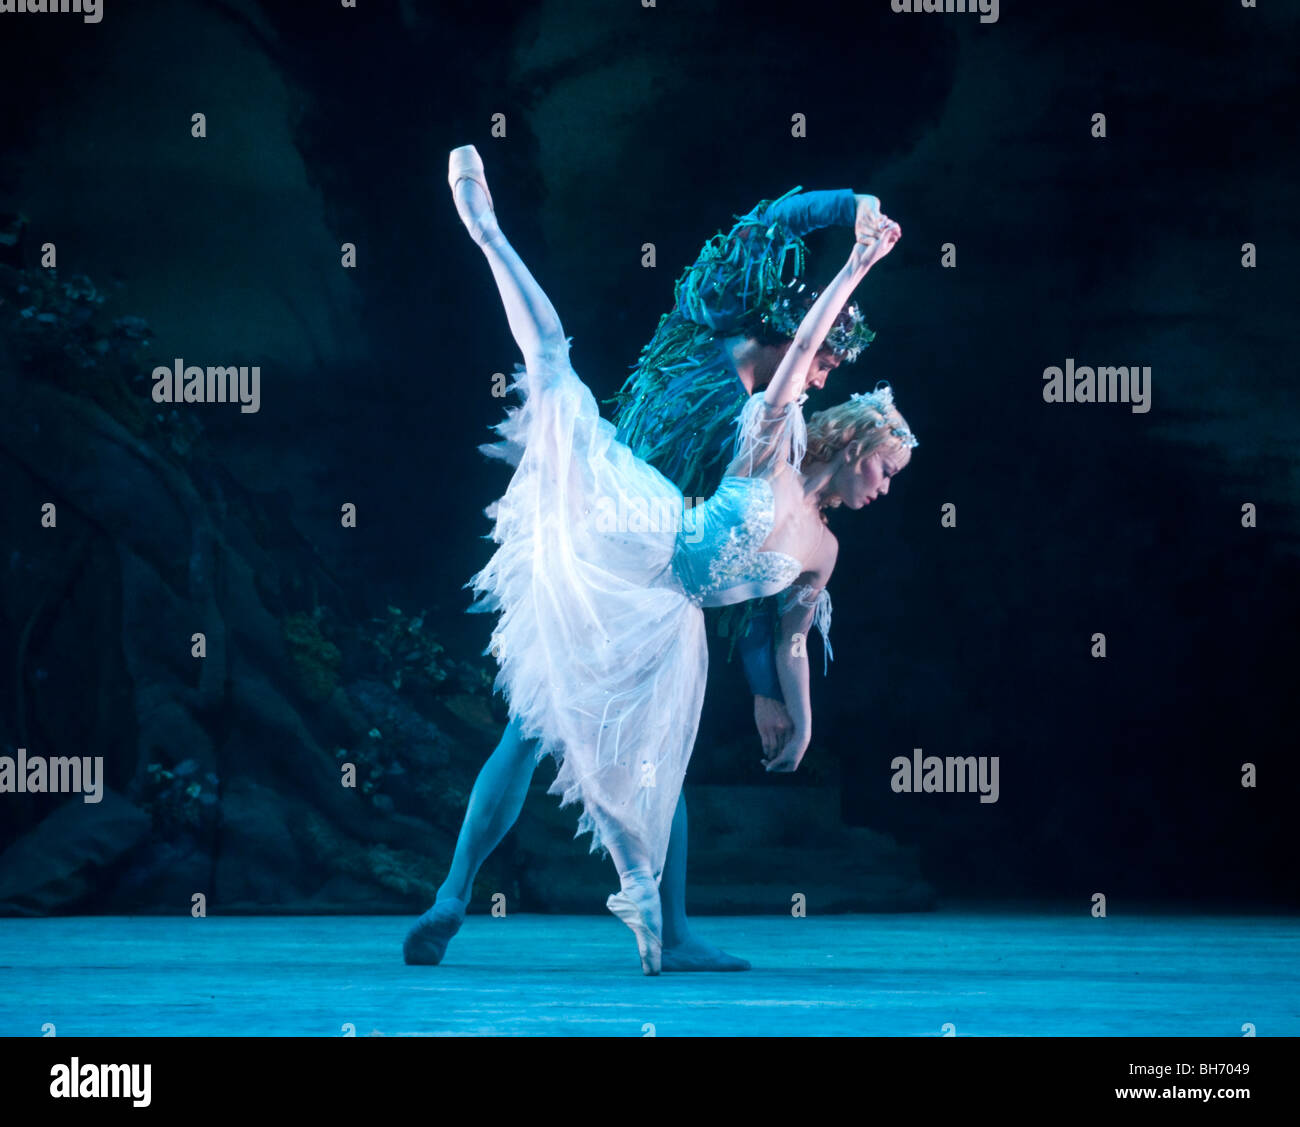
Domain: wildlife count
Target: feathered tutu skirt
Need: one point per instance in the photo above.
(601, 652)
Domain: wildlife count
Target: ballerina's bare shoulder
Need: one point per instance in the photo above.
(798, 530)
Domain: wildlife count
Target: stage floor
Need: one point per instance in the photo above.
(987, 973)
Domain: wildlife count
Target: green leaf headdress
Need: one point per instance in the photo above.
(848, 336)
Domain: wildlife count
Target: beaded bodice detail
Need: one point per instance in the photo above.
(717, 556)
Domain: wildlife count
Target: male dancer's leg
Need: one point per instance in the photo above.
(494, 805)
(682, 951)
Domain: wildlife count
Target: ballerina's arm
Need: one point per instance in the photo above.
(792, 374)
(798, 615)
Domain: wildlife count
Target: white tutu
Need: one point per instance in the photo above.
(602, 653)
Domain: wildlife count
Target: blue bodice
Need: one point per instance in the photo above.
(717, 558)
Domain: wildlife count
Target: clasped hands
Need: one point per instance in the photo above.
(783, 747)
(874, 232)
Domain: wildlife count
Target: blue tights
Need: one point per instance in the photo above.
(494, 806)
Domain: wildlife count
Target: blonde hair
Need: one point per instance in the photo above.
(871, 421)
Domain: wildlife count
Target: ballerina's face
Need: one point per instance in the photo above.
(857, 483)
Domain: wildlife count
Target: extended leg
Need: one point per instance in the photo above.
(682, 951)
(494, 806)
(540, 337)
(533, 320)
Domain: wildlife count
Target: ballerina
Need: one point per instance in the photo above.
(600, 638)
(733, 318)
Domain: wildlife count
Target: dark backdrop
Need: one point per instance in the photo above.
(628, 125)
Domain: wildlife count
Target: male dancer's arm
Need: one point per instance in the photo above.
(798, 214)
(738, 274)
(677, 409)
(756, 646)
(734, 277)
(774, 723)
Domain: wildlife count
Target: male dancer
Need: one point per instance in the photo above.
(734, 320)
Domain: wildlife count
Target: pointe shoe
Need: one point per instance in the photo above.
(464, 163)
(649, 941)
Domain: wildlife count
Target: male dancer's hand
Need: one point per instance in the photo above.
(869, 251)
(773, 723)
(790, 756)
(867, 220)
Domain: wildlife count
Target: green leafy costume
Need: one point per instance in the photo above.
(677, 409)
